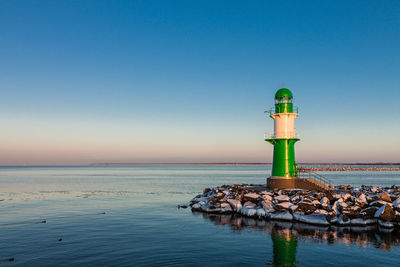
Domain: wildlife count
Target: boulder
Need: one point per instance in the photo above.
(306, 207)
(385, 213)
(283, 206)
(385, 197)
(268, 206)
(325, 203)
(282, 198)
(251, 197)
(361, 200)
(368, 213)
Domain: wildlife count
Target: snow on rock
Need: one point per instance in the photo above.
(396, 204)
(282, 198)
(365, 205)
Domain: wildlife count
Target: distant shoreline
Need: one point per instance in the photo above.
(239, 163)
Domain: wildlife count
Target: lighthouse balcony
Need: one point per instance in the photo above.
(273, 135)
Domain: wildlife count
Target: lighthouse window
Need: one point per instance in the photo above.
(283, 100)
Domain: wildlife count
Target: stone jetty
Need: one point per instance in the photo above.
(343, 206)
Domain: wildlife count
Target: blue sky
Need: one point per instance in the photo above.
(188, 81)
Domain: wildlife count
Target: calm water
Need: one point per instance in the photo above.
(128, 216)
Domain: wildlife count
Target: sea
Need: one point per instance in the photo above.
(136, 216)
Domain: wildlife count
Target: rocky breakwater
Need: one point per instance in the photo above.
(344, 206)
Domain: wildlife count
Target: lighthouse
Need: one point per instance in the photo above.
(284, 168)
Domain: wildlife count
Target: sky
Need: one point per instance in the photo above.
(188, 81)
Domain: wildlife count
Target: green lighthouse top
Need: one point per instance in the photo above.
(283, 93)
(283, 101)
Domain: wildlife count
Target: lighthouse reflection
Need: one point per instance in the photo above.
(286, 235)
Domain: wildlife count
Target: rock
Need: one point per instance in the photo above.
(361, 200)
(283, 206)
(268, 206)
(251, 197)
(325, 203)
(293, 208)
(324, 212)
(384, 196)
(385, 213)
(282, 198)
(206, 190)
(368, 213)
(352, 212)
(266, 197)
(306, 207)
(249, 204)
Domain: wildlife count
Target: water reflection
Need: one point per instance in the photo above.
(285, 235)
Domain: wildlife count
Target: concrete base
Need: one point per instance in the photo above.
(291, 183)
(281, 183)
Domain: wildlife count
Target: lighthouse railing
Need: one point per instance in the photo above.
(272, 110)
(305, 173)
(272, 135)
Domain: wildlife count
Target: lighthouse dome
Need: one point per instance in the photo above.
(283, 93)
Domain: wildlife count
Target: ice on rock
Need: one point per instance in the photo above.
(235, 204)
(281, 215)
(360, 221)
(225, 207)
(282, 198)
(343, 220)
(385, 224)
(319, 219)
(261, 212)
(249, 204)
(249, 210)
